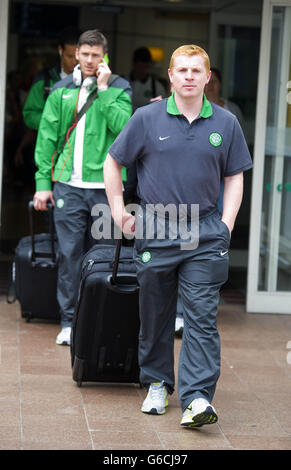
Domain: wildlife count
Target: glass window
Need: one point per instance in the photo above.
(275, 245)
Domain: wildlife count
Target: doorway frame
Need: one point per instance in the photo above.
(262, 301)
(4, 16)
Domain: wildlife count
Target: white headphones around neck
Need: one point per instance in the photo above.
(77, 75)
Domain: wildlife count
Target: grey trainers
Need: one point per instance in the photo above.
(156, 399)
(198, 413)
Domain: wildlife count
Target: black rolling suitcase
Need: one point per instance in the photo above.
(35, 272)
(104, 341)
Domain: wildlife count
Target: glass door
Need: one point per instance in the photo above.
(269, 268)
(234, 48)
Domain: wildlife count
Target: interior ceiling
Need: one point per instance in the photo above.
(198, 6)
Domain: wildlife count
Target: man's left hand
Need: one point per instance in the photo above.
(228, 224)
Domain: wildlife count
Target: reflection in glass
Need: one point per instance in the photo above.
(275, 246)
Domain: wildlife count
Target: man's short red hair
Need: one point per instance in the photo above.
(191, 49)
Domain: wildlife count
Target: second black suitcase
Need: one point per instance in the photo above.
(35, 273)
(104, 342)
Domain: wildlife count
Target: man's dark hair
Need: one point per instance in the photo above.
(142, 54)
(69, 36)
(93, 37)
(217, 73)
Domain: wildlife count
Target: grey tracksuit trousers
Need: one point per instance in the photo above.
(161, 267)
(73, 222)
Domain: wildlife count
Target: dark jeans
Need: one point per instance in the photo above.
(73, 221)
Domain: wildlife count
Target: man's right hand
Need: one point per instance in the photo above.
(41, 198)
(128, 226)
(125, 221)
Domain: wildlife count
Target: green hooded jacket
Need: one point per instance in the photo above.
(38, 93)
(105, 119)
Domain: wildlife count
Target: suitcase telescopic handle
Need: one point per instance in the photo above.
(51, 255)
(116, 259)
(125, 282)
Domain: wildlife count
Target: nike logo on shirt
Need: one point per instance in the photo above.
(222, 253)
(164, 138)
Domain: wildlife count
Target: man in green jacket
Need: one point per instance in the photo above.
(44, 81)
(71, 154)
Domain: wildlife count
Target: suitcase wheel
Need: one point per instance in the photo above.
(27, 316)
(78, 370)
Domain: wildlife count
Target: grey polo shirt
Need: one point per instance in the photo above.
(178, 162)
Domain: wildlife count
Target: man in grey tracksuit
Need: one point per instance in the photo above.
(184, 147)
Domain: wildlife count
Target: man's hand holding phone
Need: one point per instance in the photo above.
(103, 73)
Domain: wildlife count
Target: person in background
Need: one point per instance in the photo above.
(44, 80)
(146, 88)
(37, 96)
(71, 155)
(212, 92)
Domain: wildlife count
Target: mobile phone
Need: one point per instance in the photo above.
(106, 58)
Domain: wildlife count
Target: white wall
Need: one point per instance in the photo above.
(3, 54)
